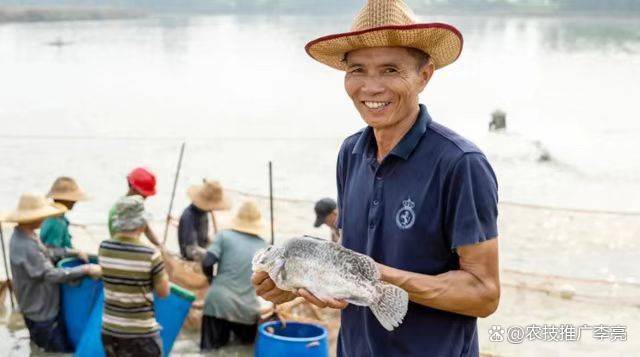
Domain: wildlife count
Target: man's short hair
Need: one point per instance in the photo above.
(420, 56)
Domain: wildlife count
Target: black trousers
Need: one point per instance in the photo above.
(216, 332)
(150, 346)
(49, 335)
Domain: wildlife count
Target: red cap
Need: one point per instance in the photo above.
(142, 181)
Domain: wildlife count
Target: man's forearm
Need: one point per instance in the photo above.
(455, 291)
(151, 236)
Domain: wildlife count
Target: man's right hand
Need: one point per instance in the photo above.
(267, 289)
(93, 270)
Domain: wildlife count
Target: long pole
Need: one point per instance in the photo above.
(6, 268)
(271, 199)
(173, 193)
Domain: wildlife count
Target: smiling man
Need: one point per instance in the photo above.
(413, 195)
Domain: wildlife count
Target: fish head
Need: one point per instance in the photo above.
(269, 259)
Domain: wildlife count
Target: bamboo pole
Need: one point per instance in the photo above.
(173, 193)
(6, 268)
(271, 200)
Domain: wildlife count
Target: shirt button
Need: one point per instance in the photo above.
(379, 177)
(375, 202)
(371, 225)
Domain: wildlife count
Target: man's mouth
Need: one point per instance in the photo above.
(375, 105)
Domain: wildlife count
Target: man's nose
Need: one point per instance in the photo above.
(372, 86)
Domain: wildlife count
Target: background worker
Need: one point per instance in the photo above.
(132, 271)
(54, 232)
(35, 279)
(193, 229)
(141, 182)
(231, 304)
(327, 213)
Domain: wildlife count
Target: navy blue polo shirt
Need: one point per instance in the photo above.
(434, 192)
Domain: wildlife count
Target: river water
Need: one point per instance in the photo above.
(241, 91)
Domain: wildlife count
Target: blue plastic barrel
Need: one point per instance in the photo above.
(77, 300)
(170, 314)
(293, 339)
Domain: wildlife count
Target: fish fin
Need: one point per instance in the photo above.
(390, 305)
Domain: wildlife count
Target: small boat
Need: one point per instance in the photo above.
(59, 43)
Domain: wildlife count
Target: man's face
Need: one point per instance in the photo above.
(332, 219)
(384, 83)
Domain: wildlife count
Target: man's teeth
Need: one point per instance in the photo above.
(376, 105)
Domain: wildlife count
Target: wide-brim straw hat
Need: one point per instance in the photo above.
(31, 208)
(389, 23)
(66, 189)
(209, 196)
(248, 219)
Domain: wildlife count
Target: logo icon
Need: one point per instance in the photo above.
(406, 217)
(496, 333)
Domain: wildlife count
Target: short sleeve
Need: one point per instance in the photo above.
(471, 201)
(158, 271)
(216, 247)
(340, 182)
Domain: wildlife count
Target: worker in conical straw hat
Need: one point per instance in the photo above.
(35, 279)
(416, 197)
(193, 229)
(231, 304)
(54, 232)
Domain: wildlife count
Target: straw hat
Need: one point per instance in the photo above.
(388, 23)
(66, 189)
(31, 208)
(248, 219)
(208, 196)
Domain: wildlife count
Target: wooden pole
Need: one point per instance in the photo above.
(6, 268)
(173, 193)
(271, 200)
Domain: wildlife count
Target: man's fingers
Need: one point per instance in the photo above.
(311, 298)
(264, 287)
(336, 304)
(282, 298)
(258, 278)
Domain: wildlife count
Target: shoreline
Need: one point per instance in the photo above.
(55, 14)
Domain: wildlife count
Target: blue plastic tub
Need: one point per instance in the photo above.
(170, 314)
(294, 339)
(77, 301)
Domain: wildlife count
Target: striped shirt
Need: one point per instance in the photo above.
(129, 271)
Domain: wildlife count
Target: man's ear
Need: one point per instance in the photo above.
(425, 74)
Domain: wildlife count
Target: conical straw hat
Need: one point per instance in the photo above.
(32, 207)
(388, 23)
(66, 189)
(208, 196)
(248, 219)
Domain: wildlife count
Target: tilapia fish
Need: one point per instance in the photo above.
(327, 269)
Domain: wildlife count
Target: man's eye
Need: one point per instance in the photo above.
(356, 70)
(390, 70)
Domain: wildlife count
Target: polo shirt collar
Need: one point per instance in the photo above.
(408, 143)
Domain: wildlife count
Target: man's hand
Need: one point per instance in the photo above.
(93, 270)
(267, 289)
(82, 256)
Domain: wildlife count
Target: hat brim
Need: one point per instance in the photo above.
(319, 221)
(442, 42)
(32, 215)
(254, 228)
(207, 205)
(70, 196)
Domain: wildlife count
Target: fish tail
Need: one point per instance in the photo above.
(390, 305)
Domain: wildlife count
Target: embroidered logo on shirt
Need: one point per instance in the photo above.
(406, 217)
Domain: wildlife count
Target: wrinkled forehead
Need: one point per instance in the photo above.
(379, 55)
